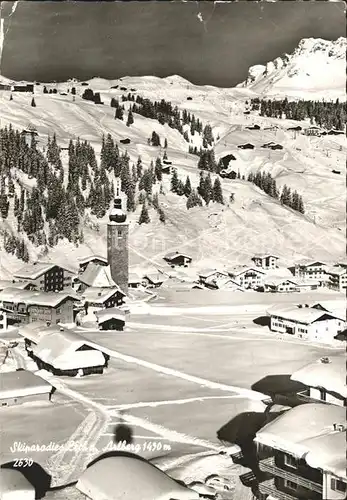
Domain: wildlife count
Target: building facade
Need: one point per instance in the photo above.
(337, 278)
(23, 387)
(176, 259)
(95, 259)
(117, 242)
(266, 261)
(310, 270)
(247, 277)
(46, 277)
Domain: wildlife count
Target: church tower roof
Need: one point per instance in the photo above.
(117, 214)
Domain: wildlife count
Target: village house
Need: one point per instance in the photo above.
(22, 285)
(96, 298)
(310, 270)
(153, 280)
(15, 486)
(266, 261)
(25, 306)
(280, 285)
(313, 131)
(337, 278)
(325, 379)
(110, 319)
(131, 477)
(224, 283)
(211, 274)
(247, 277)
(95, 259)
(303, 454)
(306, 322)
(64, 352)
(94, 275)
(46, 276)
(177, 259)
(308, 285)
(134, 280)
(23, 386)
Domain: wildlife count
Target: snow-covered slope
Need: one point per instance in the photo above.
(315, 70)
(214, 235)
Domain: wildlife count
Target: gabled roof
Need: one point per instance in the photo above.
(238, 270)
(34, 271)
(122, 477)
(22, 383)
(337, 271)
(328, 453)
(264, 256)
(134, 278)
(110, 313)
(330, 375)
(223, 283)
(294, 430)
(305, 315)
(99, 294)
(13, 284)
(154, 278)
(172, 255)
(205, 273)
(307, 263)
(31, 297)
(277, 280)
(92, 257)
(97, 275)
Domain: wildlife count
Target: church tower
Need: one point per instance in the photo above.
(117, 241)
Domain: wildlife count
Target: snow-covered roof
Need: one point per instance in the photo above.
(278, 280)
(60, 349)
(205, 273)
(31, 297)
(11, 283)
(336, 307)
(238, 270)
(223, 283)
(15, 486)
(338, 271)
(306, 315)
(307, 263)
(330, 375)
(92, 257)
(99, 295)
(305, 283)
(294, 430)
(110, 313)
(154, 278)
(173, 255)
(97, 275)
(36, 330)
(328, 453)
(134, 278)
(22, 383)
(34, 271)
(264, 256)
(130, 478)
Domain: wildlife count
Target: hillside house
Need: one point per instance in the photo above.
(125, 141)
(96, 298)
(337, 278)
(278, 285)
(313, 131)
(304, 457)
(295, 129)
(134, 280)
(266, 261)
(228, 173)
(25, 306)
(211, 274)
(65, 352)
(275, 147)
(247, 277)
(133, 477)
(246, 146)
(306, 322)
(325, 379)
(46, 276)
(177, 259)
(310, 270)
(153, 280)
(224, 283)
(98, 260)
(110, 319)
(253, 127)
(15, 486)
(29, 136)
(23, 386)
(95, 275)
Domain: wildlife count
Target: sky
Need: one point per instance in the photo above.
(205, 42)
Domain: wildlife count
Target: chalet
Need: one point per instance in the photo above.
(246, 146)
(134, 280)
(125, 141)
(189, 98)
(46, 276)
(153, 280)
(337, 278)
(280, 285)
(110, 319)
(307, 285)
(95, 275)
(25, 306)
(325, 379)
(253, 127)
(23, 88)
(67, 353)
(167, 162)
(96, 298)
(310, 270)
(95, 259)
(224, 283)
(227, 159)
(23, 386)
(306, 322)
(4, 86)
(295, 129)
(275, 146)
(228, 174)
(302, 454)
(133, 477)
(247, 277)
(266, 261)
(336, 132)
(313, 131)
(15, 486)
(211, 274)
(177, 259)
(268, 144)
(21, 285)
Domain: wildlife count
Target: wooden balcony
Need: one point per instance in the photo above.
(268, 488)
(268, 465)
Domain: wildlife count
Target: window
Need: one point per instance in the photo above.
(290, 484)
(337, 485)
(290, 461)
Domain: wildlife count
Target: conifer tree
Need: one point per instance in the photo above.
(144, 216)
(158, 169)
(33, 103)
(187, 187)
(217, 191)
(194, 200)
(130, 119)
(165, 143)
(174, 181)
(162, 216)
